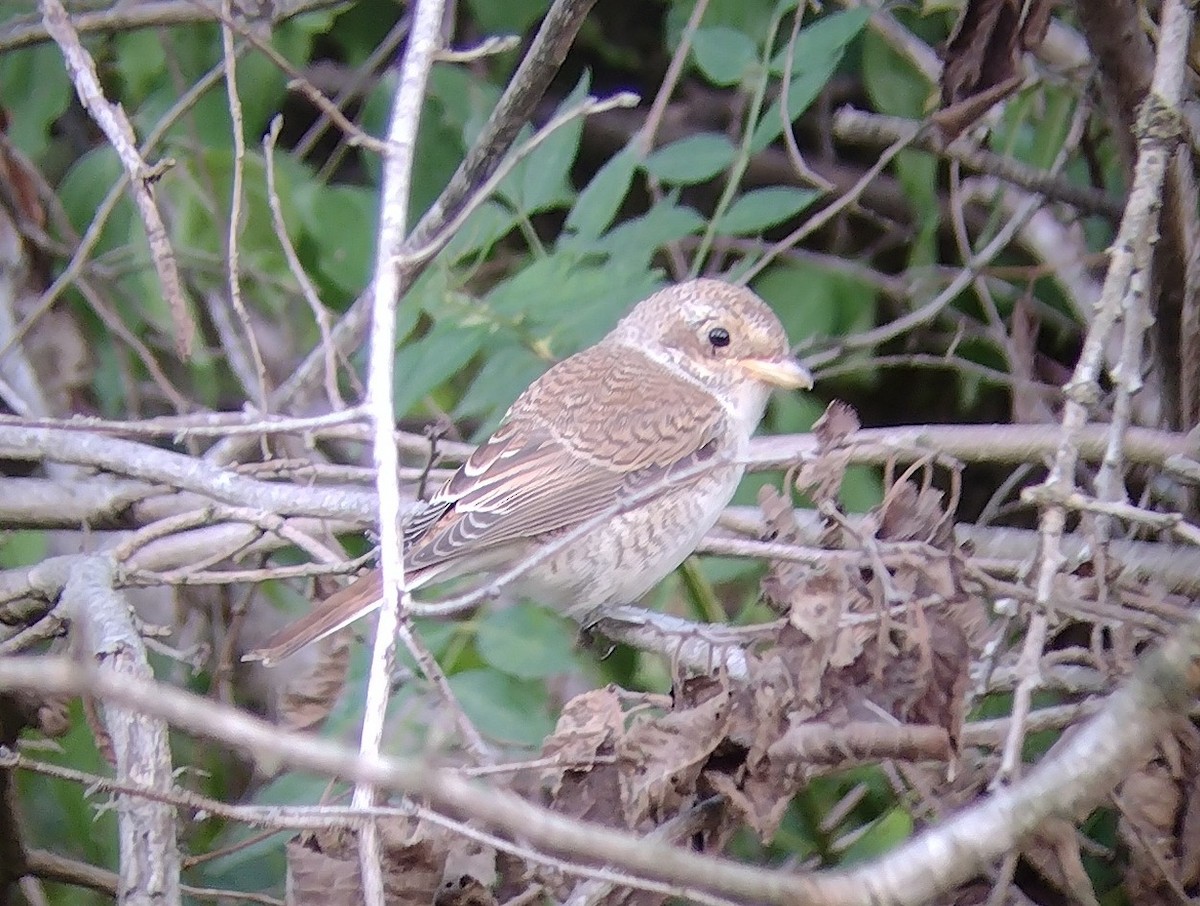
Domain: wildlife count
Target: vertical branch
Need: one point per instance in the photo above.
(235, 203)
(149, 860)
(117, 128)
(1158, 133)
(423, 43)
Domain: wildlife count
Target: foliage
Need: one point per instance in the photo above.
(583, 226)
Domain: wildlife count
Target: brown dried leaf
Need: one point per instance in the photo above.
(759, 802)
(661, 758)
(814, 603)
(21, 185)
(1189, 838)
(1151, 801)
(817, 604)
(1054, 852)
(821, 476)
(836, 424)
(1027, 408)
(307, 699)
(983, 54)
(590, 725)
(909, 514)
(464, 891)
(323, 867)
(779, 516)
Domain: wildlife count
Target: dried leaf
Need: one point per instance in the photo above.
(590, 726)
(661, 758)
(1054, 852)
(323, 867)
(307, 699)
(908, 514)
(821, 476)
(982, 57)
(779, 515)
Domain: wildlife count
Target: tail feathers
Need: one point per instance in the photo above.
(340, 609)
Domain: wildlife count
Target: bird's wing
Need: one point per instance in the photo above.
(598, 428)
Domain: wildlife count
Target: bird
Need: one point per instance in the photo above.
(635, 445)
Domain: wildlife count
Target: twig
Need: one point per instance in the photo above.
(26, 32)
(320, 312)
(825, 215)
(112, 120)
(423, 42)
(872, 129)
(176, 470)
(232, 243)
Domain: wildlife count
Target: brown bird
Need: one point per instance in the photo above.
(642, 434)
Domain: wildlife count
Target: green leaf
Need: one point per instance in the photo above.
(512, 17)
(816, 54)
(425, 364)
(758, 209)
(697, 158)
(885, 834)
(342, 222)
(526, 641)
(462, 97)
(750, 17)
(893, 83)
(637, 241)
(83, 189)
(819, 45)
(483, 228)
(535, 289)
(813, 301)
(503, 376)
(898, 89)
(541, 181)
(594, 300)
(141, 60)
(917, 173)
(723, 54)
(599, 202)
(503, 707)
(36, 93)
(21, 548)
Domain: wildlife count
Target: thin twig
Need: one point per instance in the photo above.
(116, 126)
(423, 42)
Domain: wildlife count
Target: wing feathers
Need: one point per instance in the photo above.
(551, 467)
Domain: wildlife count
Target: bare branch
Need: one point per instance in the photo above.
(104, 633)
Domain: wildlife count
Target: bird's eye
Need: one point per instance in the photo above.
(719, 337)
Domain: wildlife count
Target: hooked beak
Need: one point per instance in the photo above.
(785, 372)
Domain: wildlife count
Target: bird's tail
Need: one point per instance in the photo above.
(340, 609)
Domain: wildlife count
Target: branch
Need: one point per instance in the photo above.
(386, 291)
(27, 32)
(1078, 776)
(860, 127)
(105, 634)
(185, 472)
(119, 131)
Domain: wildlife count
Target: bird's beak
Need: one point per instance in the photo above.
(785, 372)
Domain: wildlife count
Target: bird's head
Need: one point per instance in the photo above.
(722, 335)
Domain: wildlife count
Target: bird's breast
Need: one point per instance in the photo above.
(620, 561)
